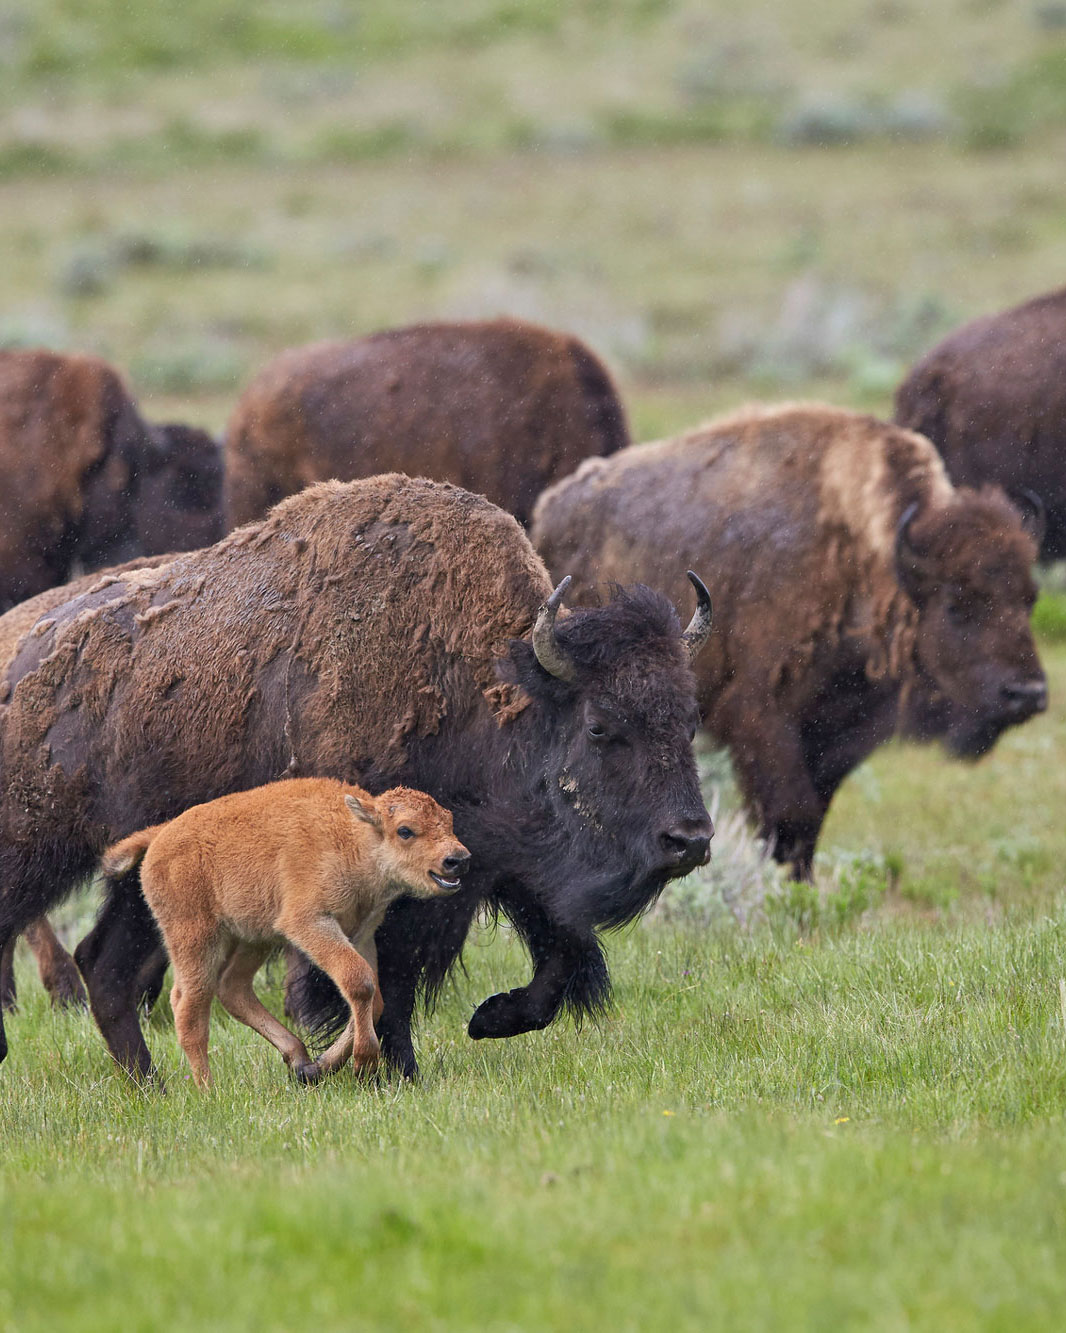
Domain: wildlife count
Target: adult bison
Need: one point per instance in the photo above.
(501, 408)
(57, 969)
(75, 455)
(387, 630)
(854, 586)
(992, 398)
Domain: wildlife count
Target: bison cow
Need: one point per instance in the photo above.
(57, 969)
(502, 408)
(75, 454)
(856, 591)
(992, 398)
(385, 631)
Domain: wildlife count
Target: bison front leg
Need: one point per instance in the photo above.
(8, 993)
(777, 786)
(58, 971)
(568, 968)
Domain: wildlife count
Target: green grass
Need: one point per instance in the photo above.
(849, 1115)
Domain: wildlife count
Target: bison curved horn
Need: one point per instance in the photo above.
(910, 568)
(545, 645)
(1034, 515)
(699, 627)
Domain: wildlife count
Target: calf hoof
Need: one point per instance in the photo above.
(504, 1015)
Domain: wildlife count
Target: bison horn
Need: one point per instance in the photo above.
(545, 645)
(1034, 515)
(699, 627)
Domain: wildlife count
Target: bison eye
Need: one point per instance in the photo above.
(597, 731)
(404, 832)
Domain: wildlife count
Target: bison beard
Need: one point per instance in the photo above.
(375, 631)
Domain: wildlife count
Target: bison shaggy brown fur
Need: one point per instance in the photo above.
(855, 590)
(992, 398)
(502, 408)
(57, 969)
(388, 631)
(75, 454)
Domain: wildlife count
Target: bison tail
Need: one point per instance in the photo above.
(120, 858)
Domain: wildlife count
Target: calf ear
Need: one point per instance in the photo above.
(364, 812)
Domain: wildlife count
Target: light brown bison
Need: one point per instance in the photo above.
(501, 408)
(854, 587)
(992, 398)
(58, 971)
(75, 454)
(385, 630)
(312, 861)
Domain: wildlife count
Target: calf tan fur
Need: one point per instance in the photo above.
(310, 860)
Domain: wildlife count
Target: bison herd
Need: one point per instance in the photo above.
(358, 585)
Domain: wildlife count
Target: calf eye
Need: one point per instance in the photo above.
(404, 832)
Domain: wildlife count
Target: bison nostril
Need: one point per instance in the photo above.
(685, 848)
(455, 865)
(1027, 696)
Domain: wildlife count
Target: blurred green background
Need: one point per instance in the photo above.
(727, 201)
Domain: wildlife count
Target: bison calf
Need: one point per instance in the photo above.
(313, 861)
(857, 592)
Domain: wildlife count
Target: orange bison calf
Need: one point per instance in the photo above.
(311, 860)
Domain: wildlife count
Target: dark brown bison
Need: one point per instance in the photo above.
(57, 969)
(992, 398)
(387, 630)
(75, 453)
(502, 408)
(855, 590)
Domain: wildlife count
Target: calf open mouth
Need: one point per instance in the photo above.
(442, 882)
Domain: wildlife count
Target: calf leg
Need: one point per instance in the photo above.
(238, 997)
(112, 957)
(323, 941)
(58, 971)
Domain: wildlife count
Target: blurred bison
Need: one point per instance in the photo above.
(501, 408)
(992, 398)
(387, 630)
(76, 454)
(58, 971)
(856, 590)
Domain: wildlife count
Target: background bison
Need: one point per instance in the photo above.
(75, 454)
(992, 398)
(850, 578)
(377, 630)
(501, 408)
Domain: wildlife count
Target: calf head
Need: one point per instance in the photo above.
(968, 568)
(615, 712)
(417, 847)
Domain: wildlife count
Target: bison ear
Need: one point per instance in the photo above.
(366, 813)
(913, 569)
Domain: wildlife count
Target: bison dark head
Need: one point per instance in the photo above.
(179, 497)
(607, 744)
(968, 568)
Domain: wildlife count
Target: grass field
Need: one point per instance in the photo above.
(848, 1113)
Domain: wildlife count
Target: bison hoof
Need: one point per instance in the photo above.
(67, 992)
(504, 1015)
(307, 1072)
